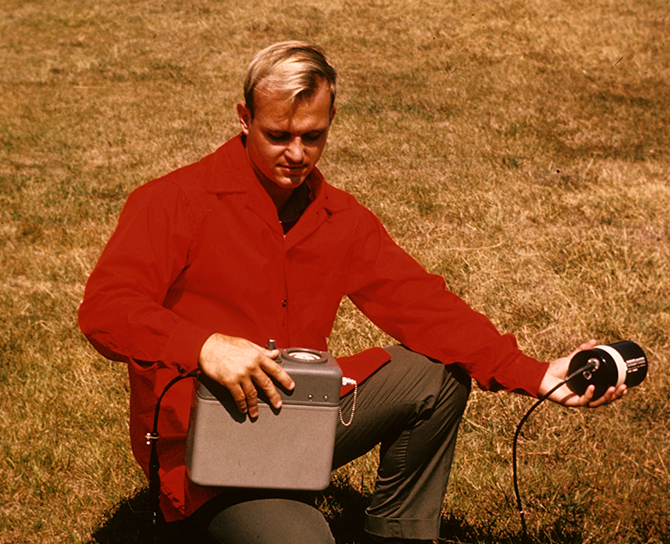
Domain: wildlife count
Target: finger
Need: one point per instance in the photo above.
(559, 367)
(567, 397)
(590, 344)
(607, 397)
(587, 397)
(251, 399)
(612, 394)
(270, 353)
(240, 398)
(278, 373)
(264, 382)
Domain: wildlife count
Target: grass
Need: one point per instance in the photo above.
(520, 149)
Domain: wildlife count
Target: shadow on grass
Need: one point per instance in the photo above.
(130, 523)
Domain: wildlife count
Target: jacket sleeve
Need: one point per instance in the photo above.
(122, 313)
(416, 308)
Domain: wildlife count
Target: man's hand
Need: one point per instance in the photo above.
(558, 371)
(240, 366)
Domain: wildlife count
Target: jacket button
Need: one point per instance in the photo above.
(284, 303)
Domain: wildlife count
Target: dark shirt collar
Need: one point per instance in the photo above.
(294, 207)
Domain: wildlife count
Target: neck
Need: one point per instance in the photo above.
(279, 195)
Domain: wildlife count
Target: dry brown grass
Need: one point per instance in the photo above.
(521, 149)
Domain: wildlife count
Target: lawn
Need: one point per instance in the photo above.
(519, 149)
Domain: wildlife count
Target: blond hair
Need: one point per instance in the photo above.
(294, 68)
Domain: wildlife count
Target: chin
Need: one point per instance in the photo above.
(290, 183)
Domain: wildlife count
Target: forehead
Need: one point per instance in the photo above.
(275, 111)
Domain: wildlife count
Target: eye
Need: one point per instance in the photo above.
(312, 137)
(278, 137)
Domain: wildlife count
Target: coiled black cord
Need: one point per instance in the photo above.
(519, 505)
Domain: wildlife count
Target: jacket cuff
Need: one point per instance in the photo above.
(523, 375)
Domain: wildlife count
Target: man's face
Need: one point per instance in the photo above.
(284, 143)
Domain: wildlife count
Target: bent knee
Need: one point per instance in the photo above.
(458, 383)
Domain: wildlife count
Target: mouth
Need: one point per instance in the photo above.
(291, 170)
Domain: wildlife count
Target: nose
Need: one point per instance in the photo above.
(295, 152)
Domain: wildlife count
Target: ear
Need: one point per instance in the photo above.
(332, 113)
(245, 117)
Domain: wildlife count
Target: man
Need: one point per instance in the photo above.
(250, 243)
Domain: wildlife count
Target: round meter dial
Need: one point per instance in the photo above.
(305, 355)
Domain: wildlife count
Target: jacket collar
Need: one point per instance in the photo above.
(232, 173)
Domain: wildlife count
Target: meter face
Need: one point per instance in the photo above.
(305, 356)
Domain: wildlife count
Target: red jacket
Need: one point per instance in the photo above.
(201, 250)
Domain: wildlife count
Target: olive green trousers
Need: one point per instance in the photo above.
(412, 406)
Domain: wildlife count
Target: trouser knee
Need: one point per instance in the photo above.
(458, 384)
(427, 373)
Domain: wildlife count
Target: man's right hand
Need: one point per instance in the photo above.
(240, 366)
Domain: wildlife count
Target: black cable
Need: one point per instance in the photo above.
(519, 505)
(152, 440)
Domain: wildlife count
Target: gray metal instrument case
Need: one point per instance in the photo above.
(290, 448)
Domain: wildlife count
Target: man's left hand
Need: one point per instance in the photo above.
(558, 371)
